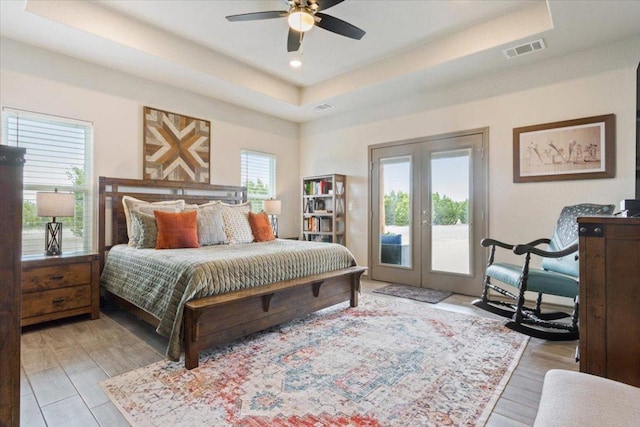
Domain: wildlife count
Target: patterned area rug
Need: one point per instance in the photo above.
(384, 363)
(413, 292)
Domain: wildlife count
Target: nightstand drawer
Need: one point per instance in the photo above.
(54, 277)
(60, 286)
(55, 300)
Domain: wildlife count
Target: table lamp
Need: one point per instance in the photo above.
(54, 205)
(273, 208)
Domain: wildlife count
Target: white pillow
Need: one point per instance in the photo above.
(131, 203)
(236, 223)
(211, 227)
(206, 206)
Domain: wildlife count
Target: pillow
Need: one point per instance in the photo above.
(144, 230)
(131, 203)
(177, 230)
(243, 207)
(211, 227)
(213, 205)
(236, 224)
(261, 227)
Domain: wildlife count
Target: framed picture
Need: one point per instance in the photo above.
(176, 147)
(572, 149)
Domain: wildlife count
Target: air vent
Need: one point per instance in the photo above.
(523, 49)
(323, 107)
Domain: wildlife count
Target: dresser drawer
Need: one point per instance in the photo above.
(51, 301)
(54, 277)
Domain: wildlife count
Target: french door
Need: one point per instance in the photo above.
(428, 212)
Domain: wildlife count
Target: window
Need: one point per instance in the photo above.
(59, 156)
(259, 176)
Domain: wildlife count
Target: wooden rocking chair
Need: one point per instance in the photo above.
(558, 276)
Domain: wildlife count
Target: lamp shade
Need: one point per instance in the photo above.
(272, 207)
(301, 20)
(55, 204)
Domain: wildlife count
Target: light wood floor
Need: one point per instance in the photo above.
(64, 361)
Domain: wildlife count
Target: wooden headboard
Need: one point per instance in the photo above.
(112, 226)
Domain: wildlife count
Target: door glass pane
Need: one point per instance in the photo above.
(450, 194)
(395, 211)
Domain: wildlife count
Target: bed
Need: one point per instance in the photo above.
(200, 298)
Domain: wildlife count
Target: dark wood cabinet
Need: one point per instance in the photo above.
(610, 298)
(56, 287)
(11, 166)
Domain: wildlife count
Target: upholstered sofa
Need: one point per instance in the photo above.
(578, 399)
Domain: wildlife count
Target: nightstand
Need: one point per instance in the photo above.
(60, 286)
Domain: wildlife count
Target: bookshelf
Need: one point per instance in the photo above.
(323, 208)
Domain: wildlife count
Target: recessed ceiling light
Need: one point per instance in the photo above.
(295, 63)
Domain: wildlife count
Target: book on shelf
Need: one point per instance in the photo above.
(311, 224)
(325, 186)
(314, 188)
(318, 238)
(317, 224)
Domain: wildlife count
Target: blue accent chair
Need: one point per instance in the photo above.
(558, 276)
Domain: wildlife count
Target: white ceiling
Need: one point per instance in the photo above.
(408, 46)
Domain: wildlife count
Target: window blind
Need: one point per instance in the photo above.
(59, 156)
(258, 174)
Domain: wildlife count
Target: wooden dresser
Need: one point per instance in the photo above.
(11, 166)
(610, 297)
(55, 287)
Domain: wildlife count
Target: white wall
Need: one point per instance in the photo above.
(46, 82)
(596, 82)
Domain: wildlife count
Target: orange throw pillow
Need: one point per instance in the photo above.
(261, 227)
(177, 230)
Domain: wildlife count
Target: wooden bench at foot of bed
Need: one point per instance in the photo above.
(218, 319)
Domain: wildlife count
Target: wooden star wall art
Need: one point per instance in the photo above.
(176, 147)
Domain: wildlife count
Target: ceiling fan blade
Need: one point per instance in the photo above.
(326, 4)
(294, 40)
(339, 26)
(254, 16)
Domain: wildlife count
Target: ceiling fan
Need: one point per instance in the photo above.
(302, 16)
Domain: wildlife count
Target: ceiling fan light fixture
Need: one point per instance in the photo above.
(300, 20)
(303, 15)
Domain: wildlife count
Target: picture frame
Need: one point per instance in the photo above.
(567, 150)
(175, 147)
